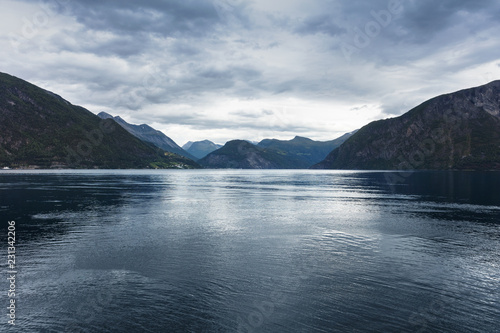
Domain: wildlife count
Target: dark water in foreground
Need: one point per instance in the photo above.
(252, 251)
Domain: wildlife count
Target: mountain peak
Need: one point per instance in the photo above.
(146, 133)
(459, 130)
(200, 149)
(241, 154)
(300, 138)
(104, 115)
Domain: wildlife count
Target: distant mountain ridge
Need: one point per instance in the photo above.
(39, 129)
(240, 154)
(200, 149)
(298, 153)
(460, 130)
(149, 134)
(305, 149)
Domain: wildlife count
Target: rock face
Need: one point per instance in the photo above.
(39, 129)
(460, 130)
(200, 149)
(239, 154)
(148, 134)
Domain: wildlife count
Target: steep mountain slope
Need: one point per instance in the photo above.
(460, 130)
(40, 129)
(147, 133)
(239, 154)
(308, 150)
(200, 149)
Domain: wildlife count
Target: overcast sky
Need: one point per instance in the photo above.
(227, 69)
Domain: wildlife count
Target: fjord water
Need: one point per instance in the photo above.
(253, 251)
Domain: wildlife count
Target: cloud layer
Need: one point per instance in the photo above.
(225, 69)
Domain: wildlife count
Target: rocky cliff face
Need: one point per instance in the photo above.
(460, 130)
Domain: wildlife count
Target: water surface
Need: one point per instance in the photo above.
(254, 251)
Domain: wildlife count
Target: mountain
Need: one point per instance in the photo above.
(200, 149)
(307, 150)
(187, 145)
(240, 154)
(39, 129)
(147, 133)
(298, 153)
(460, 130)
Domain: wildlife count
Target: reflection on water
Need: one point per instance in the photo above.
(254, 251)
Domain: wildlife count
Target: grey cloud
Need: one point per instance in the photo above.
(206, 79)
(248, 114)
(199, 81)
(320, 24)
(185, 48)
(137, 24)
(420, 21)
(123, 46)
(204, 123)
(199, 53)
(395, 109)
(424, 19)
(166, 18)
